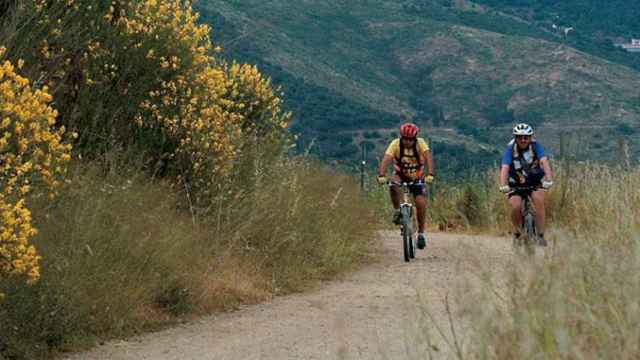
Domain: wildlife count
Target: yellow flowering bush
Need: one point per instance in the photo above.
(253, 96)
(17, 257)
(32, 156)
(204, 105)
(146, 73)
(185, 102)
(68, 46)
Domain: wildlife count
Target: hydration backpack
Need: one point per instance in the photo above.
(525, 165)
(409, 167)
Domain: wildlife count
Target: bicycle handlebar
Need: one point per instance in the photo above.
(529, 188)
(405, 183)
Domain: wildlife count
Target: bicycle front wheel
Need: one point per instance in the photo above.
(406, 244)
(406, 235)
(412, 247)
(531, 237)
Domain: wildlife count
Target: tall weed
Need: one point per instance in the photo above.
(585, 197)
(580, 300)
(121, 256)
(291, 215)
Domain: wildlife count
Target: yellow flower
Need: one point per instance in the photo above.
(31, 148)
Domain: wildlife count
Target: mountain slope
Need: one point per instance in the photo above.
(450, 65)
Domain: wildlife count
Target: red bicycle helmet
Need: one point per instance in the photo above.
(409, 130)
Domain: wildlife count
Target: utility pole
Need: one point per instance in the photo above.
(562, 145)
(625, 154)
(363, 164)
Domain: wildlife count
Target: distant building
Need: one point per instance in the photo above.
(633, 47)
(564, 29)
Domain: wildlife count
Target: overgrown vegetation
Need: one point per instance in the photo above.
(290, 224)
(33, 161)
(181, 194)
(580, 299)
(474, 204)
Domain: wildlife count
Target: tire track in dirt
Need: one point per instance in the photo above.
(373, 313)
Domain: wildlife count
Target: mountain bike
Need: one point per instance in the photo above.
(529, 237)
(407, 222)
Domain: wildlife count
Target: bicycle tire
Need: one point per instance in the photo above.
(412, 247)
(530, 233)
(406, 234)
(406, 238)
(414, 237)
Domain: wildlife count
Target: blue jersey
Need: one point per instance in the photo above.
(507, 157)
(524, 164)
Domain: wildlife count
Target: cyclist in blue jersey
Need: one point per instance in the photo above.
(525, 164)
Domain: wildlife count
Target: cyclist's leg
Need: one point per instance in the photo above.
(516, 216)
(395, 191)
(420, 200)
(538, 204)
(421, 207)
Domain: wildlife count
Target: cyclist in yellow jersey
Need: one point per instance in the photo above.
(409, 153)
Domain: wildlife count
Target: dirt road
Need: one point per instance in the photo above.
(375, 313)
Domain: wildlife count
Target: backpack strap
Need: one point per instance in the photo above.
(523, 162)
(401, 152)
(416, 153)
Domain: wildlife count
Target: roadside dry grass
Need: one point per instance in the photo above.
(122, 254)
(582, 194)
(581, 299)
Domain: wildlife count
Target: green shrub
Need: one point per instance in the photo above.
(276, 228)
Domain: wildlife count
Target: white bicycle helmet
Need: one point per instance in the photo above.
(523, 129)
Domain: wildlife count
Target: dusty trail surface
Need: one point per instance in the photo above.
(370, 314)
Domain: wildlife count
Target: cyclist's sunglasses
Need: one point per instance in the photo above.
(408, 138)
(523, 137)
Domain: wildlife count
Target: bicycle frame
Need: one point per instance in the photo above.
(406, 226)
(529, 235)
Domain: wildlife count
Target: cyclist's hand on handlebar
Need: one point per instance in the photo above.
(547, 184)
(428, 179)
(382, 179)
(505, 189)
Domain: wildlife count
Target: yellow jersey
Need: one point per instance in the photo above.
(410, 166)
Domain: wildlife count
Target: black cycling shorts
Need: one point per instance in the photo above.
(523, 193)
(415, 190)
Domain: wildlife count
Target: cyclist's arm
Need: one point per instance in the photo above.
(544, 162)
(547, 168)
(504, 175)
(382, 170)
(507, 157)
(427, 156)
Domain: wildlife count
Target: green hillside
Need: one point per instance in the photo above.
(352, 71)
(616, 18)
